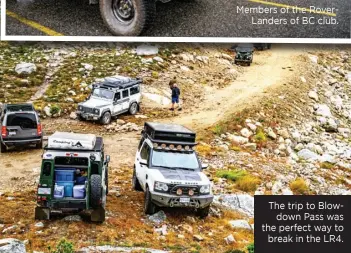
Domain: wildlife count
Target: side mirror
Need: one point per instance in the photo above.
(204, 166)
(108, 159)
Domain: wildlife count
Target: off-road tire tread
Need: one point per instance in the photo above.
(95, 191)
(2, 148)
(136, 184)
(150, 208)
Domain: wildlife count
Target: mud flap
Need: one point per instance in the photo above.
(42, 213)
(98, 215)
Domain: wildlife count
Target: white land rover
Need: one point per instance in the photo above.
(168, 170)
(111, 97)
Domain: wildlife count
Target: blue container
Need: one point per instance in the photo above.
(79, 191)
(68, 188)
(66, 175)
(59, 191)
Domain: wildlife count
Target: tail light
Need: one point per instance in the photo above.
(39, 129)
(3, 131)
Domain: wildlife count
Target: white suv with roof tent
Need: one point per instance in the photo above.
(111, 97)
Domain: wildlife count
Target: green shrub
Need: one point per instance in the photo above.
(233, 175)
(54, 109)
(260, 136)
(251, 248)
(63, 246)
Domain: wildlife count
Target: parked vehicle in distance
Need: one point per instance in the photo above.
(262, 46)
(244, 54)
(110, 98)
(20, 126)
(169, 171)
(73, 176)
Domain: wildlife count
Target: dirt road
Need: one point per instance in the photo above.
(270, 69)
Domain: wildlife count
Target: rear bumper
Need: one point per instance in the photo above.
(241, 60)
(76, 204)
(167, 200)
(88, 116)
(19, 142)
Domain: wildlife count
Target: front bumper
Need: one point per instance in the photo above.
(168, 200)
(88, 116)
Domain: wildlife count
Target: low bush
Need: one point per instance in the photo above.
(299, 186)
(248, 183)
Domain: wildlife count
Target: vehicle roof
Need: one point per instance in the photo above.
(25, 107)
(117, 82)
(169, 127)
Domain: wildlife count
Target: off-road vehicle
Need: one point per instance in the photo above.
(73, 177)
(20, 126)
(244, 54)
(111, 97)
(169, 171)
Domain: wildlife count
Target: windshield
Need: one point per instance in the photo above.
(175, 160)
(103, 93)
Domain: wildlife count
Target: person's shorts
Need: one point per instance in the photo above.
(175, 100)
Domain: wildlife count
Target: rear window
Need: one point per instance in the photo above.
(23, 120)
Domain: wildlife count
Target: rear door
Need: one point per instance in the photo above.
(125, 99)
(21, 126)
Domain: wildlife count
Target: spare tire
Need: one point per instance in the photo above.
(128, 17)
(95, 191)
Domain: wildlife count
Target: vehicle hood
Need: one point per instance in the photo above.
(183, 176)
(95, 103)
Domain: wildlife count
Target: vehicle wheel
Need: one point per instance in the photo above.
(135, 183)
(203, 212)
(106, 118)
(80, 118)
(149, 208)
(249, 64)
(269, 46)
(3, 148)
(128, 17)
(133, 109)
(95, 191)
(39, 145)
(235, 62)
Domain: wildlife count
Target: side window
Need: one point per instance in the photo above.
(145, 152)
(47, 169)
(125, 93)
(117, 96)
(134, 90)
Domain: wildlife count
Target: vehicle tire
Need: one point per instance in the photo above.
(95, 191)
(235, 62)
(135, 17)
(269, 46)
(203, 212)
(135, 182)
(149, 207)
(39, 145)
(133, 109)
(3, 148)
(106, 118)
(80, 117)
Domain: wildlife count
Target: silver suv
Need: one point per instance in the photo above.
(111, 97)
(20, 126)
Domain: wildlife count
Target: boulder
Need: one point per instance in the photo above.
(25, 68)
(323, 110)
(245, 132)
(313, 95)
(308, 155)
(158, 217)
(237, 139)
(146, 50)
(12, 245)
(243, 203)
(243, 224)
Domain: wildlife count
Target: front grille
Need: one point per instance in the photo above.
(87, 110)
(185, 189)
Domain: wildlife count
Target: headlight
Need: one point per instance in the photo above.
(80, 108)
(205, 189)
(159, 186)
(96, 111)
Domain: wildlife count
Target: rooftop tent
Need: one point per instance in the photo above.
(63, 140)
(169, 133)
(117, 82)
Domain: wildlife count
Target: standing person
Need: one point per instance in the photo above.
(175, 95)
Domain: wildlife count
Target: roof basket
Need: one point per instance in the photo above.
(118, 82)
(19, 107)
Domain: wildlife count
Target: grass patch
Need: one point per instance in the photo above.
(63, 246)
(299, 186)
(260, 136)
(233, 175)
(327, 165)
(248, 183)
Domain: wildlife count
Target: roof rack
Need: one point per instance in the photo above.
(169, 134)
(19, 107)
(117, 82)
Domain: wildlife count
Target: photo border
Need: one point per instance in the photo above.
(5, 37)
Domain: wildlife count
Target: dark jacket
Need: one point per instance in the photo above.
(175, 92)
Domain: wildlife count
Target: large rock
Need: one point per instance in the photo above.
(323, 110)
(242, 224)
(25, 68)
(312, 94)
(308, 155)
(146, 50)
(238, 139)
(158, 217)
(245, 132)
(11, 245)
(243, 203)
